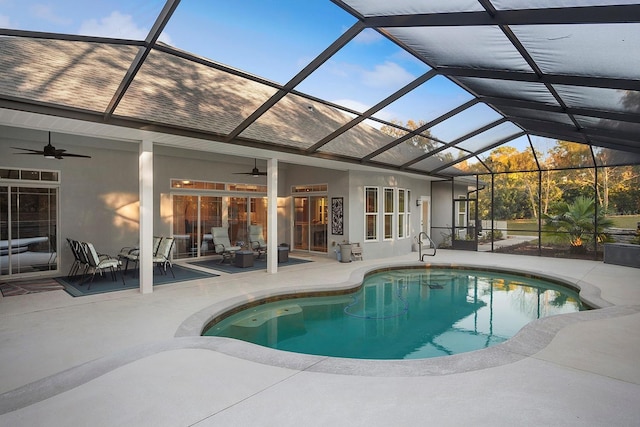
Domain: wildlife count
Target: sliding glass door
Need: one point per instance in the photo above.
(194, 215)
(28, 229)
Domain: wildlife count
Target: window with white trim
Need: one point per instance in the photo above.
(402, 213)
(461, 208)
(371, 213)
(406, 232)
(389, 213)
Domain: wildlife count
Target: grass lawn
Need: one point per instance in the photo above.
(529, 227)
(625, 221)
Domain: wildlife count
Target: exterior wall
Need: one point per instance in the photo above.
(337, 186)
(99, 198)
(441, 212)
(381, 249)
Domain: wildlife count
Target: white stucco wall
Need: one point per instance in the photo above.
(381, 249)
(99, 196)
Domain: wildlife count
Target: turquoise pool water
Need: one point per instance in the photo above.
(404, 314)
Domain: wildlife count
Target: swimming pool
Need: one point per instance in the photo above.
(410, 313)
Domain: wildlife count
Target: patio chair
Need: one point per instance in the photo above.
(79, 259)
(162, 258)
(98, 263)
(256, 240)
(132, 253)
(356, 251)
(222, 244)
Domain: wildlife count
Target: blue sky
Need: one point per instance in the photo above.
(274, 39)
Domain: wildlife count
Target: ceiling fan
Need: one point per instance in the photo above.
(255, 172)
(50, 152)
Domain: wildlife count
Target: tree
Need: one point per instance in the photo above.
(421, 141)
(576, 221)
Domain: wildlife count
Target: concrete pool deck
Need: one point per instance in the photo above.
(125, 359)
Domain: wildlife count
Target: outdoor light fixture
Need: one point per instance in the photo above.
(418, 202)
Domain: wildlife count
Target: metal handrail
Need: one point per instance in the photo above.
(433, 245)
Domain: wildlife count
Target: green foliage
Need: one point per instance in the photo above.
(576, 222)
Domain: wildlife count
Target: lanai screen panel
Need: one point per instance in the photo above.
(408, 150)
(432, 99)
(408, 7)
(602, 99)
(130, 20)
(534, 114)
(509, 89)
(247, 41)
(488, 138)
(484, 47)
(568, 49)
(357, 142)
(365, 71)
(463, 123)
(513, 156)
(176, 91)
(608, 157)
(73, 74)
(295, 121)
(534, 4)
(436, 161)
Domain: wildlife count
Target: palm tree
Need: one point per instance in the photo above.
(576, 220)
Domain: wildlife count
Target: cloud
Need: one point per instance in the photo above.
(117, 25)
(46, 13)
(388, 74)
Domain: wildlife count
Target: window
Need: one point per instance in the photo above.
(371, 213)
(402, 214)
(461, 211)
(389, 211)
(406, 233)
(315, 188)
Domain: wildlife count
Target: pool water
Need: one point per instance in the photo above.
(404, 314)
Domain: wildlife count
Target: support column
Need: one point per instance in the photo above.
(145, 177)
(272, 215)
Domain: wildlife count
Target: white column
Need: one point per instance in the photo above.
(145, 170)
(272, 215)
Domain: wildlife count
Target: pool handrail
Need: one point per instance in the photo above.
(420, 241)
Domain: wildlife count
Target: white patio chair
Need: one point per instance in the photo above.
(222, 244)
(256, 240)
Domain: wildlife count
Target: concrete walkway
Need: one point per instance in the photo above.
(126, 359)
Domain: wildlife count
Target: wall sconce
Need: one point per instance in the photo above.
(418, 202)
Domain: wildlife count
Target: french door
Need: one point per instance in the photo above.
(28, 229)
(310, 223)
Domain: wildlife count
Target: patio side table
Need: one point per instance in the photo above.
(244, 259)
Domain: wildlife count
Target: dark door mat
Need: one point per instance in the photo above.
(32, 286)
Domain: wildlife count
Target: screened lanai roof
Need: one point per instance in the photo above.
(418, 86)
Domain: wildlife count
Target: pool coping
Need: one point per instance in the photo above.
(532, 338)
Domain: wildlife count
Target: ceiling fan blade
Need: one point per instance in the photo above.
(28, 149)
(62, 155)
(254, 172)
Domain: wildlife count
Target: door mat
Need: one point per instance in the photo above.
(32, 286)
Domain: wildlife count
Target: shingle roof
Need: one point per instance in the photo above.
(565, 71)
